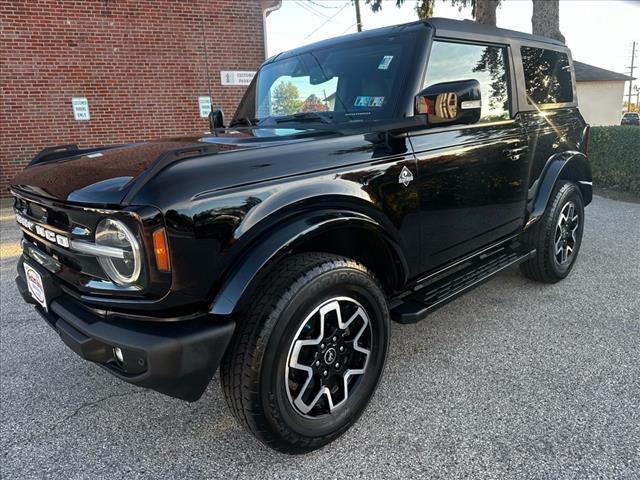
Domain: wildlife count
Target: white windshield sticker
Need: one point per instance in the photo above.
(385, 62)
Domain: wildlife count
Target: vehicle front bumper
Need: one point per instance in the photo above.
(176, 358)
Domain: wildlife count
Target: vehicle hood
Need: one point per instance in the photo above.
(106, 176)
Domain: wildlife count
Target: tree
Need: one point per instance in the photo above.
(493, 63)
(545, 20)
(285, 99)
(483, 11)
(313, 104)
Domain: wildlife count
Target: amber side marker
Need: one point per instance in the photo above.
(160, 250)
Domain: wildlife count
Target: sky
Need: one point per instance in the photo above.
(598, 32)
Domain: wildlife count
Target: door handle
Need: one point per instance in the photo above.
(514, 153)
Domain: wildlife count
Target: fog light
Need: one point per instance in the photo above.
(117, 352)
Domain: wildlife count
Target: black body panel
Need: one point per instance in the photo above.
(471, 189)
(174, 358)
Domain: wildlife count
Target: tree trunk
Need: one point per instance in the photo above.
(546, 19)
(484, 11)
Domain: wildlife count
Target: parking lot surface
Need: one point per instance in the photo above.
(514, 380)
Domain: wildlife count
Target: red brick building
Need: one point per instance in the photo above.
(140, 67)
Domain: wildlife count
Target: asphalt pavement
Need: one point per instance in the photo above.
(515, 380)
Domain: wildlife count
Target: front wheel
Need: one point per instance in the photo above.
(309, 354)
(556, 236)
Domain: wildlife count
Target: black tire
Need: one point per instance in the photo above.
(547, 266)
(255, 370)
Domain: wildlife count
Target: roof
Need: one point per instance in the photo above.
(330, 42)
(447, 27)
(444, 27)
(589, 73)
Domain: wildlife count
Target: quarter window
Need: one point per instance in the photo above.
(547, 76)
(450, 62)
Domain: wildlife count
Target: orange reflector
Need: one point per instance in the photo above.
(160, 250)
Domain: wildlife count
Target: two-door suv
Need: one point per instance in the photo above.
(363, 179)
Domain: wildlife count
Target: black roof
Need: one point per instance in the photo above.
(589, 73)
(329, 42)
(444, 27)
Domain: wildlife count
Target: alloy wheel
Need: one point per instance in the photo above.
(328, 357)
(566, 234)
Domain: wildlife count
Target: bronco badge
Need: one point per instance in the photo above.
(406, 177)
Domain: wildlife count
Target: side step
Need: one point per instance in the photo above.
(430, 296)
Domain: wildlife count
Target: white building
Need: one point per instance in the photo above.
(600, 94)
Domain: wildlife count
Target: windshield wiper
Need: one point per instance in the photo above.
(305, 116)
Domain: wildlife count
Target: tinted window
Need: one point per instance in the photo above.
(458, 61)
(351, 81)
(547, 76)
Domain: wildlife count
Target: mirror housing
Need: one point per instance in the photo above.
(450, 103)
(216, 119)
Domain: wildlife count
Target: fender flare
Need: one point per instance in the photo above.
(275, 244)
(570, 164)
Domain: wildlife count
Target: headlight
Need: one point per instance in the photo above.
(113, 233)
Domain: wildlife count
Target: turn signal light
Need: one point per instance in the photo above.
(160, 250)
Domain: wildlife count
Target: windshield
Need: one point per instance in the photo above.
(351, 81)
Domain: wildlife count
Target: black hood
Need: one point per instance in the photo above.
(106, 176)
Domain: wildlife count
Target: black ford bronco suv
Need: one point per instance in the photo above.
(363, 179)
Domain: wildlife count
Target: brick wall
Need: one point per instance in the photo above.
(140, 64)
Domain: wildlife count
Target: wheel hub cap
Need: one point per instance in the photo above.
(328, 357)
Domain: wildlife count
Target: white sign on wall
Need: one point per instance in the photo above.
(205, 106)
(235, 77)
(80, 107)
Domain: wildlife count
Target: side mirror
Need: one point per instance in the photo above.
(216, 119)
(450, 103)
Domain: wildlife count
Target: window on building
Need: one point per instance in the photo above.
(547, 76)
(460, 61)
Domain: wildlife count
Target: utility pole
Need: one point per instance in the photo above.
(358, 19)
(633, 57)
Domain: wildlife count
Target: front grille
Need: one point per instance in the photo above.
(78, 271)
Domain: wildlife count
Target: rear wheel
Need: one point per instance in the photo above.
(309, 354)
(557, 236)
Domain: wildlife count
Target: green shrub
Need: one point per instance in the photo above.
(614, 153)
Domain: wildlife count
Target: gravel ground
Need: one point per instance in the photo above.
(514, 380)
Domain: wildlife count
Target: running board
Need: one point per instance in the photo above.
(425, 299)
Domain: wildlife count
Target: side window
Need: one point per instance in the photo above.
(547, 76)
(459, 61)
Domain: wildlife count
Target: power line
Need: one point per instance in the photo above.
(320, 5)
(327, 21)
(633, 57)
(348, 28)
(306, 7)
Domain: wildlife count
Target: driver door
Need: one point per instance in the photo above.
(471, 179)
